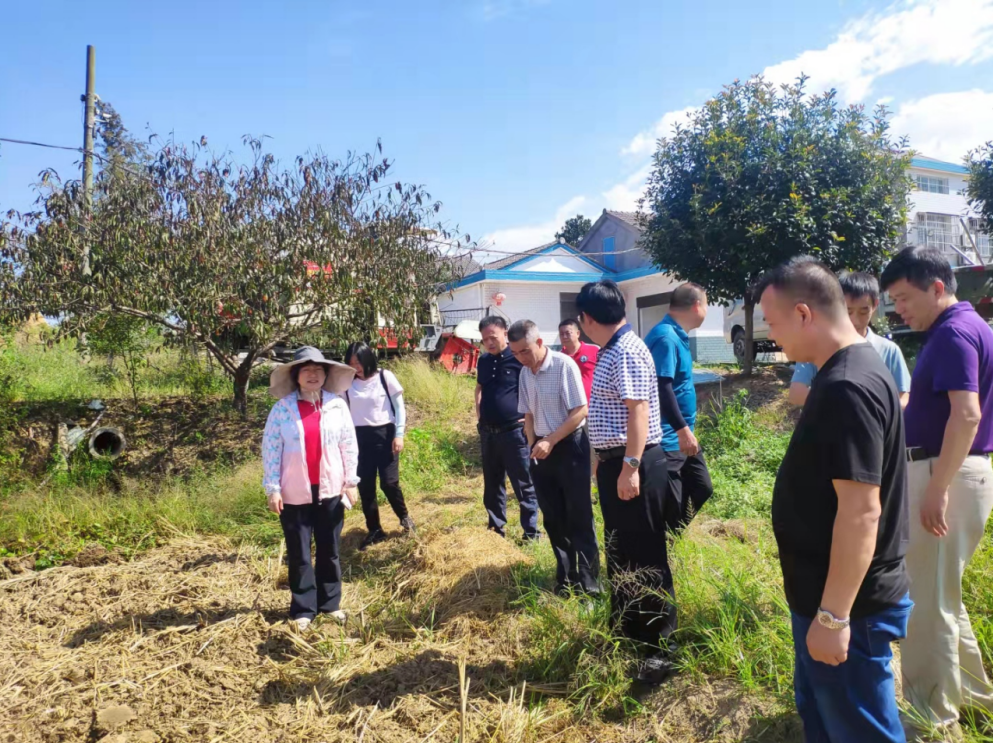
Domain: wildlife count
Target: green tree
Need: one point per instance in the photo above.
(980, 186)
(759, 175)
(574, 230)
(236, 257)
(128, 337)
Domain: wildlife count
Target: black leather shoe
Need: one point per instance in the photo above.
(654, 670)
(376, 535)
(407, 525)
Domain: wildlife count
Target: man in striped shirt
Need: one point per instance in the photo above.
(553, 402)
(632, 477)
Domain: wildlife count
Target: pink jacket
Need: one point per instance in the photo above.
(284, 459)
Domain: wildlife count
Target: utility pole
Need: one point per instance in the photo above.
(88, 123)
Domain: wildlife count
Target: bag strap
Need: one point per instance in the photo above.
(386, 389)
(348, 400)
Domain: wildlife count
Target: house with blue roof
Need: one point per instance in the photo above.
(541, 284)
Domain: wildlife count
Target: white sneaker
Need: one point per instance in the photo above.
(339, 616)
(302, 623)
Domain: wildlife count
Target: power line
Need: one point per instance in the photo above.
(42, 144)
(81, 150)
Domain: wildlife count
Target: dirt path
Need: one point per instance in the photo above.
(190, 643)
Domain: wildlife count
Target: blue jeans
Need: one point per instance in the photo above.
(855, 701)
(505, 455)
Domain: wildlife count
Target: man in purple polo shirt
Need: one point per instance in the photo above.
(949, 430)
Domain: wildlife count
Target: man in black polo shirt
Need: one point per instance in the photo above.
(839, 512)
(504, 446)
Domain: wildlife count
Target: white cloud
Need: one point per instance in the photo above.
(946, 125)
(621, 197)
(644, 142)
(624, 196)
(950, 32)
(530, 236)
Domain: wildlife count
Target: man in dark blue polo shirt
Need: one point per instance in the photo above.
(504, 446)
(689, 481)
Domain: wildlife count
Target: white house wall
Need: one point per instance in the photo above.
(463, 298)
(535, 301)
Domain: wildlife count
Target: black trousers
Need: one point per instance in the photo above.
(506, 455)
(376, 456)
(321, 592)
(642, 598)
(689, 486)
(562, 483)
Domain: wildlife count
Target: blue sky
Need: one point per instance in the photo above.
(515, 113)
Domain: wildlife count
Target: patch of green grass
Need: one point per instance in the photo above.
(41, 371)
(743, 457)
(977, 590)
(55, 524)
(733, 617)
(443, 398)
(571, 646)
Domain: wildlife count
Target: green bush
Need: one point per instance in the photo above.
(743, 457)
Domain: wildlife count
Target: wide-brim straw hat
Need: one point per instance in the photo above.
(339, 376)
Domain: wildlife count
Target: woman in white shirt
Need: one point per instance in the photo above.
(376, 402)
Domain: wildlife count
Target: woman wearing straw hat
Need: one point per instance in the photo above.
(310, 456)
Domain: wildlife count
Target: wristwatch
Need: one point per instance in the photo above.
(632, 462)
(829, 620)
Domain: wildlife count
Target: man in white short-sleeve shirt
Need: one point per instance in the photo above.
(553, 401)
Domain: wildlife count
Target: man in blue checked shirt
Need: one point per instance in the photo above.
(862, 297)
(632, 477)
(669, 342)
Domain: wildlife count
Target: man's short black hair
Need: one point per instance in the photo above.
(805, 279)
(570, 321)
(921, 267)
(365, 356)
(857, 284)
(492, 320)
(603, 301)
(686, 295)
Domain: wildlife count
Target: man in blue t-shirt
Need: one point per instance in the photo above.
(862, 297)
(669, 343)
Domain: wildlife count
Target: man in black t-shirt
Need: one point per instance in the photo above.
(839, 512)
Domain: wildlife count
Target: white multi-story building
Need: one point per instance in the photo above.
(938, 208)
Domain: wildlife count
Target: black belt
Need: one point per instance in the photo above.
(615, 452)
(918, 454)
(504, 428)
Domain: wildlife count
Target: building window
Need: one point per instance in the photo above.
(982, 240)
(938, 231)
(608, 252)
(931, 184)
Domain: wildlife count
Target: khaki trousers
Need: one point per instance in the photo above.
(940, 659)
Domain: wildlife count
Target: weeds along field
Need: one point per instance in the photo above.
(146, 601)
